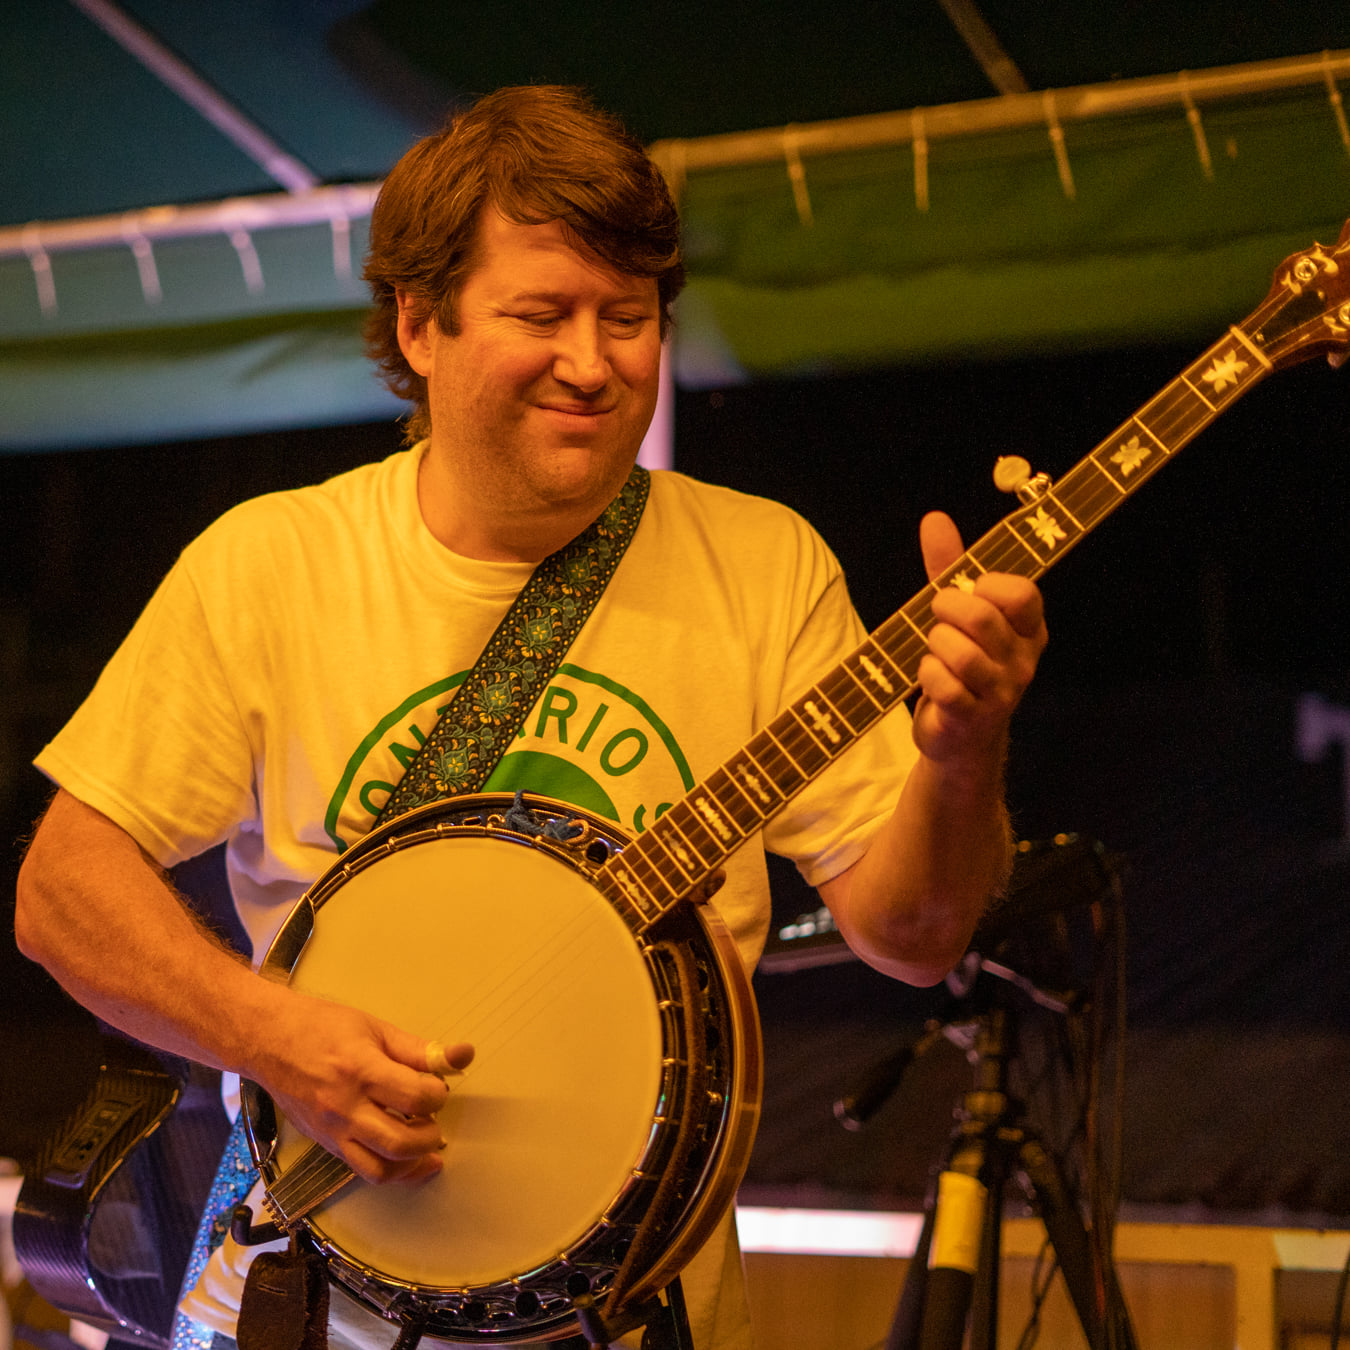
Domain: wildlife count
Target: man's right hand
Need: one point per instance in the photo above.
(357, 1085)
(96, 911)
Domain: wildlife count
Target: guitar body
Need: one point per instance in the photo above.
(609, 1111)
(105, 1221)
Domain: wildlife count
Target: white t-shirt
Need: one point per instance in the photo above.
(292, 661)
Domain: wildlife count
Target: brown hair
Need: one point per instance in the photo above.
(536, 153)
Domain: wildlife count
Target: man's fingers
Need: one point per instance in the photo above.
(940, 543)
(966, 661)
(1017, 599)
(445, 1060)
(430, 1061)
(379, 1170)
(942, 686)
(397, 1137)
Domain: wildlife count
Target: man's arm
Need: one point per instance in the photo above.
(97, 912)
(910, 905)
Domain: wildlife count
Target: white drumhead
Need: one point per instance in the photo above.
(484, 940)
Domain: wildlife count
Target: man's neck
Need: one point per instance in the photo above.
(474, 529)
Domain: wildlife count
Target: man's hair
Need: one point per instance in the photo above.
(536, 153)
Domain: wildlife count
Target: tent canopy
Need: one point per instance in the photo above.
(183, 212)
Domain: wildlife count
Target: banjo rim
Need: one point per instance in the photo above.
(730, 1114)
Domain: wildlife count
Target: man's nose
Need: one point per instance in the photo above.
(580, 359)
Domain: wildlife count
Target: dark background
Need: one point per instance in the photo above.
(1162, 724)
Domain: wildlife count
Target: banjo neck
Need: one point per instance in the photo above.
(1306, 313)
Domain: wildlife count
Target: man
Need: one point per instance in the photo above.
(523, 263)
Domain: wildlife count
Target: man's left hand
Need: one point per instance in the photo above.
(982, 652)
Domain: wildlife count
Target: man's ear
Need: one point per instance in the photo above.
(414, 332)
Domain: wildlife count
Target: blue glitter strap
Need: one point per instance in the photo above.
(235, 1177)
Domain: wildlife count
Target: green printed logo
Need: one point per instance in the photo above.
(587, 740)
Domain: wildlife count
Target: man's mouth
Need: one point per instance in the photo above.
(578, 409)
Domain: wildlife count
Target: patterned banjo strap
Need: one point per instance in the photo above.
(520, 658)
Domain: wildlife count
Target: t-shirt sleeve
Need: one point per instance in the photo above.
(159, 745)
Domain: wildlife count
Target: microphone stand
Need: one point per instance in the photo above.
(952, 1281)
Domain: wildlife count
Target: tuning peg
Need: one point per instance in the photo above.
(1013, 474)
(1010, 472)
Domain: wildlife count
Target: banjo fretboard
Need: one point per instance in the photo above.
(1306, 313)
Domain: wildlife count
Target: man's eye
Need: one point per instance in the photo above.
(542, 320)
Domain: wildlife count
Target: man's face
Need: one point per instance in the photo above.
(542, 399)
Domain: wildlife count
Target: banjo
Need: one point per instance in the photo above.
(607, 1119)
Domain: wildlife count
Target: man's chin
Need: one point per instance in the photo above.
(579, 476)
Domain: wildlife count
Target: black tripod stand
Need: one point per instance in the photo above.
(953, 1277)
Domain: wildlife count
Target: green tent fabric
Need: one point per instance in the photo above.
(1003, 261)
(162, 384)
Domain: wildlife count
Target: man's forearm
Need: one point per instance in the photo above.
(97, 913)
(910, 905)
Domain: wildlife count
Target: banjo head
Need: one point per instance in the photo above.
(454, 927)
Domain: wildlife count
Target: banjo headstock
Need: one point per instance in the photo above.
(1307, 312)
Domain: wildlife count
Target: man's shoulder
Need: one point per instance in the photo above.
(677, 493)
(306, 517)
(724, 517)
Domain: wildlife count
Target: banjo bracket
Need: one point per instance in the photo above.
(667, 1324)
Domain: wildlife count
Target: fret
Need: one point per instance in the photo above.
(999, 550)
(1198, 394)
(631, 914)
(755, 782)
(652, 853)
(809, 748)
(1177, 413)
(922, 632)
(1225, 372)
(735, 801)
(841, 691)
(1107, 475)
(779, 751)
(958, 574)
(856, 711)
(877, 645)
(683, 849)
(1090, 494)
(918, 613)
(679, 860)
(864, 692)
(903, 652)
(1058, 499)
(797, 743)
(1031, 552)
(682, 817)
(1122, 456)
(647, 875)
(1252, 347)
(1148, 431)
(823, 721)
(621, 876)
(720, 825)
(870, 678)
(883, 683)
